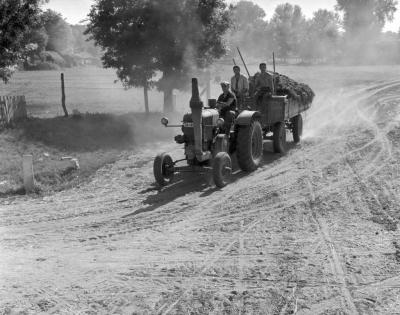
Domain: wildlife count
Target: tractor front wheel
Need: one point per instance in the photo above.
(163, 169)
(222, 169)
(279, 138)
(249, 147)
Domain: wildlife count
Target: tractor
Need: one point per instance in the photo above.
(207, 146)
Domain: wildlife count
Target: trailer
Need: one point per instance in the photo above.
(279, 113)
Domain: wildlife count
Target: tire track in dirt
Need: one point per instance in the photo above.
(380, 139)
(337, 264)
(390, 222)
(194, 216)
(216, 256)
(370, 167)
(257, 221)
(385, 155)
(176, 302)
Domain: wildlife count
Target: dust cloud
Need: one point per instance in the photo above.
(347, 97)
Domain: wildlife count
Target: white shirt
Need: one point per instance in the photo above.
(241, 83)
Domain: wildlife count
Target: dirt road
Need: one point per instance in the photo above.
(312, 232)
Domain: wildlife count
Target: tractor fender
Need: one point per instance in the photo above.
(246, 117)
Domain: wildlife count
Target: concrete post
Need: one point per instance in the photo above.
(27, 168)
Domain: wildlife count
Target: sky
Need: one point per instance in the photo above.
(76, 10)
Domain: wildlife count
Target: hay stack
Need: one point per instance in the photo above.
(287, 86)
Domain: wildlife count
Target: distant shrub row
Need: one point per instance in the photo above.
(51, 60)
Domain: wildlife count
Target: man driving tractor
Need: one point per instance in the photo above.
(226, 104)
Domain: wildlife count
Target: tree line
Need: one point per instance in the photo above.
(351, 34)
(53, 42)
(161, 43)
(34, 39)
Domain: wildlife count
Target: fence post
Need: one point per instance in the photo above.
(208, 89)
(27, 168)
(146, 98)
(63, 95)
(2, 111)
(22, 107)
(7, 110)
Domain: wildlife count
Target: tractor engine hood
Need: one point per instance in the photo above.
(209, 117)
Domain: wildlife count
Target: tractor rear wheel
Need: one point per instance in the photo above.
(222, 169)
(279, 138)
(249, 147)
(163, 169)
(297, 128)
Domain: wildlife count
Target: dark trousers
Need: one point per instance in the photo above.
(229, 116)
(258, 96)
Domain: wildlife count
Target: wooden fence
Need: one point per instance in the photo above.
(12, 108)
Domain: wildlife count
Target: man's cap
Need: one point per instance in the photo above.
(225, 83)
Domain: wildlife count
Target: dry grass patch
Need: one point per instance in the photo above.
(93, 139)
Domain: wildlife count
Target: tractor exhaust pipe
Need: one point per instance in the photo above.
(196, 105)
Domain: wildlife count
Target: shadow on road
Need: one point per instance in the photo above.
(185, 183)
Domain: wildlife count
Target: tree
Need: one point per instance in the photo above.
(59, 32)
(363, 21)
(246, 12)
(17, 17)
(37, 39)
(81, 43)
(322, 36)
(288, 25)
(249, 30)
(142, 37)
(362, 16)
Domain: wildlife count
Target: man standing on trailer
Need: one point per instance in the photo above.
(264, 80)
(264, 84)
(239, 86)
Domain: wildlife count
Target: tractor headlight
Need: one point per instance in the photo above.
(164, 121)
(220, 122)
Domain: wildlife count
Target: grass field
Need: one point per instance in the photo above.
(100, 139)
(87, 89)
(93, 89)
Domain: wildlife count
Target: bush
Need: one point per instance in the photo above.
(41, 66)
(69, 61)
(53, 57)
(86, 132)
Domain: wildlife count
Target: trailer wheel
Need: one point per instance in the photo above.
(222, 169)
(163, 169)
(249, 147)
(297, 128)
(279, 138)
